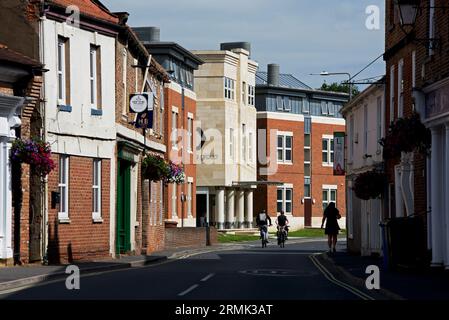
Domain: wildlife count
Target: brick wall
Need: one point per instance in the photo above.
(188, 237)
(174, 99)
(81, 239)
(266, 196)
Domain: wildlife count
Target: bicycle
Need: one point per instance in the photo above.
(264, 235)
(281, 236)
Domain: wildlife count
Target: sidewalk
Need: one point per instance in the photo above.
(428, 284)
(19, 276)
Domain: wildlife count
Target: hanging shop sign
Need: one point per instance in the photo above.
(143, 105)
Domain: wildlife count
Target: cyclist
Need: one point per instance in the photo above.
(282, 221)
(262, 220)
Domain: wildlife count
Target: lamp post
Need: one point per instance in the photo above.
(326, 74)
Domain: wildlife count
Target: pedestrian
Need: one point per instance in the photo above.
(330, 216)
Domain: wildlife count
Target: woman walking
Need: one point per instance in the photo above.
(330, 216)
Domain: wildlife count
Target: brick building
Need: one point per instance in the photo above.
(298, 125)
(20, 80)
(179, 130)
(139, 225)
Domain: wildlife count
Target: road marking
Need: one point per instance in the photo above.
(207, 277)
(329, 276)
(188, 290)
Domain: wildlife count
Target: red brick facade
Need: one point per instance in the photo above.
(173, 98)
(265, 197)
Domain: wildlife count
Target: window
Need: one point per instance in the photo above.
(229, 88)
(284, 200)
(279, 103)
(413, 69)
(306, 169)
(286, 104)
(431, 26)
(243, 142)
(173, 201)
(93, 76)
(329, 195)
(250, 147)
(189, 134)
(63, 187)
(324, 108)
(174, 129)
(63, 71)
(251, 95)
(328, 151)
(307, 140)
(284, 148)
(379, 121)
(306, 190)
(365, 129)
(124, 81)
(189, 198)
(96, 190)
(401, 88)
(305, 107)
(331, 108)
(244, 92)
(231, 143)
(351, 138)
(307, 125)
(392, 93)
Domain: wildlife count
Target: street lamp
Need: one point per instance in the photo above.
(408, 11)
(325, 74)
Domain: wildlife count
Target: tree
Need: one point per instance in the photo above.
(340, 87)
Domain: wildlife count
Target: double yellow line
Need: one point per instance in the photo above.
(329, 276)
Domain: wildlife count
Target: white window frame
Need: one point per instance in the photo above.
(174, 198)
(251, 95)
(284, 148)
(329, 189)
(401, 88)
(229, 88)
(324, 108)
(189, 133)
(244, 148)
(392, 92)
(63, 186)
(189, 196)
(96, 190)
(61, 71)
(93, 76)
(174, 128)
(284, 200)
(329, 150)
(287, 103)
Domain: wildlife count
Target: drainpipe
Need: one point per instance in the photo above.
(44, 196)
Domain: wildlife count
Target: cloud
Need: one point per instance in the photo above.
(303, 36)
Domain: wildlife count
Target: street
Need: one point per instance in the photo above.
(252, 273)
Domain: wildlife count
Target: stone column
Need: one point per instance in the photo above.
(249, 208)
(220, 203)
(446, 197)
(240, 209)
(436, 166)
(230, 212)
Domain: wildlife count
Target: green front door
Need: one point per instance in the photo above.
(123, 241)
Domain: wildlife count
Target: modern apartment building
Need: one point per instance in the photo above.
(226, 154)
(298, 124)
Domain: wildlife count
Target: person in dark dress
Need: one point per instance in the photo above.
(330, 216)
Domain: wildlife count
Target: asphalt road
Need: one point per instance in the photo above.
(251, 273)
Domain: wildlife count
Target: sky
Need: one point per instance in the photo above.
(302, 36)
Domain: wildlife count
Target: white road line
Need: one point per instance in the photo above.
(329, 276)
(188, 290)
(207, 277)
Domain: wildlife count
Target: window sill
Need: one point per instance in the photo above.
(64, 221)
(64, 108)
(97, 220)
(96, 112)
(285, 163)
(328, 165)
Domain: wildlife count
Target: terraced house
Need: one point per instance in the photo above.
(298, 124)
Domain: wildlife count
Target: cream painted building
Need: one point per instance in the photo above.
(226, 116)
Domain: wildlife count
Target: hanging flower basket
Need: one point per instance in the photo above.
(176, 174)
(406, 135)
(34, 152)
(369, 185)
(154, 168)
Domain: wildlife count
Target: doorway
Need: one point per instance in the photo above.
(201, 210)
(123, 237)
(308, 212)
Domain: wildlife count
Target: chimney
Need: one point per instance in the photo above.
(273, 75)
(148, 34)
(236, 45)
